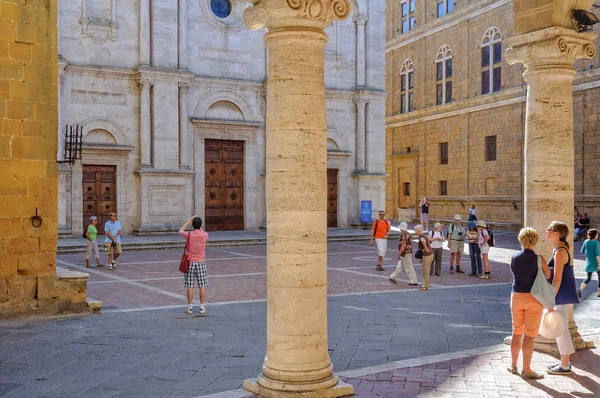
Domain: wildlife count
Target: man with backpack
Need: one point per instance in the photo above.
(456, 243)
(380, 231)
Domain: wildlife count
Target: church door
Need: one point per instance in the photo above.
(224, 185)
(99, 194)
(332, 194)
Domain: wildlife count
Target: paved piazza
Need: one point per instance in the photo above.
(388, 340)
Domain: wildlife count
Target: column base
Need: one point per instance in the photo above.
(341, 389)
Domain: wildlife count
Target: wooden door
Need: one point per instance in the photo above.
(99, 194)
(224, 185)
(332, 193)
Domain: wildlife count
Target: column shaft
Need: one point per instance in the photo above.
(296, 211)
(549, 150)
(182, 34)
(360, 135)
(145, 126)
(361, 56)
(184, 136)
(144, 32)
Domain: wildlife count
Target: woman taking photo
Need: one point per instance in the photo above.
(563, 279)
(526, 310)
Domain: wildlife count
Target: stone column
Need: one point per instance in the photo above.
(361, 53)
(548, 56)
(144, 32)
(361, 104)
(145, 124)
(297, 363)
(182, 34)
(184, 135)
(62, 65)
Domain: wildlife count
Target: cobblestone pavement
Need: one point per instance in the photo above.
(143, 345)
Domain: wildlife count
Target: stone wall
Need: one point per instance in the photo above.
(495, 187)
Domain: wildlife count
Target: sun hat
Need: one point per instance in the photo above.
(481, 223)
(418, 227)
(437, 225)
(92, 218)
(457, 217)
(403, 226)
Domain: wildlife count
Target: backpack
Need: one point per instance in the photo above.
(491, 242)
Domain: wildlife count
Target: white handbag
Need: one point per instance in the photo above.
(543, 291)
(553, 324)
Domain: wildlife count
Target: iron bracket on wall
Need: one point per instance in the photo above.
(73, 141)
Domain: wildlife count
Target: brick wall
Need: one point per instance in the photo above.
(28, 143)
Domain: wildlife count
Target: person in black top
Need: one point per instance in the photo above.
(526, 310)
(424, 213)
(581, 226)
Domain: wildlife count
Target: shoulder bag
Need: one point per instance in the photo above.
(185, 260)
(543, 291)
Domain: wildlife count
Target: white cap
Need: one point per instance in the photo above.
(403, 226)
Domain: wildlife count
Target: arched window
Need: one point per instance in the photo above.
(444, 7)
(408, 15)
(443, 71)
(407, 87)
(491, 59)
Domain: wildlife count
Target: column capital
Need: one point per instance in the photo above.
(360, 20)
(145, 82)
(550, 47)
(281, 14)
(184, 86)
(360, 99)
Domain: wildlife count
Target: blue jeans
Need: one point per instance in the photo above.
(475, 253)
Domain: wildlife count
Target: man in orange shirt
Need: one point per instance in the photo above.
(379, 232)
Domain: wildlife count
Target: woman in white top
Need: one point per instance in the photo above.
(436, 238)
(484, 236)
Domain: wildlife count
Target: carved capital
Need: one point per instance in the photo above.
(550, 47)
(360, 20)
(145, 82)
(281, 14)
(183, 87)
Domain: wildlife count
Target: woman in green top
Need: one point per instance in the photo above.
(591, 247)
(91, 244)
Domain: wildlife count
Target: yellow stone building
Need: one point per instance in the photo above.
(455, 113)
(29, 281)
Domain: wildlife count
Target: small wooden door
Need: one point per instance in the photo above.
(332, 193)
(99, 194)
(224, 185)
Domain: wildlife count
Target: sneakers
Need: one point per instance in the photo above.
(458, 270)
(202, 311)
(486, 276)
(112, 266)
(451, 269)
(189, 311)
(392, 280)
(558, 370)
(472, 274)
(412, 284)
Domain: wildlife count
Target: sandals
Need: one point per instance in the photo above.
(380, 268)
(513, 370)
(423, 288)
(532, 375)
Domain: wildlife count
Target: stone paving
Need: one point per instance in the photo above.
(143, 345)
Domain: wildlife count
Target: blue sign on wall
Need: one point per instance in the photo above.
(366, 211)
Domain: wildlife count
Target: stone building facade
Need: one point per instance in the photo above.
(454, 130)
(171, 95)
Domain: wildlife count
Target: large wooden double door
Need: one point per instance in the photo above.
(224, 185)
(99, 194)
(332, 194)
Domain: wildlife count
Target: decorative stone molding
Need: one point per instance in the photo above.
(553, 46)
(274, 14)
(103, 124)
(224, 95)
(99, 30)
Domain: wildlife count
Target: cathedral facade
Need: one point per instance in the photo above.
(456, 111)
(171, 97)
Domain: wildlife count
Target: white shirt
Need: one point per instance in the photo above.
(436, 244)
